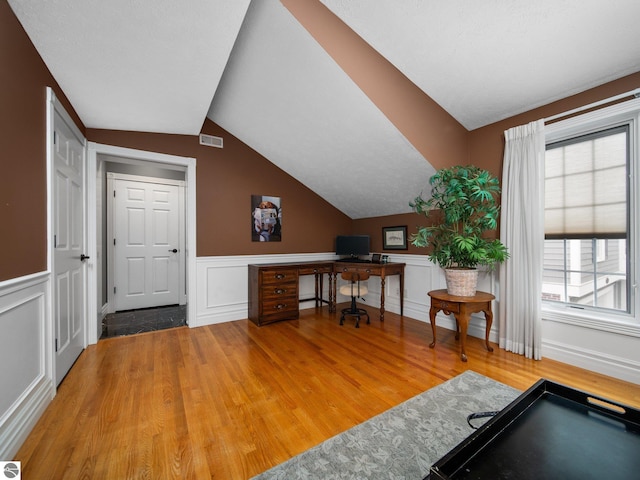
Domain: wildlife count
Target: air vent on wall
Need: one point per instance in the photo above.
(210, 140)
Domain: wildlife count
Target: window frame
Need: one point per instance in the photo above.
(610, 321)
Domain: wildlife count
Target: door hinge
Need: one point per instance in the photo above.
(114, 194)
(114, 241)
(55, 241)
(56, 344)
(114, 290)
(55, 137)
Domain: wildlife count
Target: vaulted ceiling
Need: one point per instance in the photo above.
(252, 68)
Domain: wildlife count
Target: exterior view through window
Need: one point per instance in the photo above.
(586, 260)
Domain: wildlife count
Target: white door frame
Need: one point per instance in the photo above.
(189, 163)
(111, 178)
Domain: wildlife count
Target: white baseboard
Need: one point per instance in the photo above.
(605, 364)
(222, 314)
(17, 424)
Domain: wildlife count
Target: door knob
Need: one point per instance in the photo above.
(175, 250)
(83, 257)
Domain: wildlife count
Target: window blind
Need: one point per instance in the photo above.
(586, 186)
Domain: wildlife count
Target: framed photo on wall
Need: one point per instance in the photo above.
(266, 218)
(394, 238)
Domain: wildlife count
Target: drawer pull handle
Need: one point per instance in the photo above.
(280, 291)
(280, 306)
(280, 276)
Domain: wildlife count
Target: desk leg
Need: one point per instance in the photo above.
(462, 319)
(382, 297)
(488, 315)
(432, 318)
(317, 280)
(332, 292)
(402, 293)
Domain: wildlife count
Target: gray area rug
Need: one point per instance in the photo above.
(403, 442)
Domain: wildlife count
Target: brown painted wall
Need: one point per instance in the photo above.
(225, 180)
(486, 150)
(373, 228)
(23, 183)
(440, 139)
(486, 144)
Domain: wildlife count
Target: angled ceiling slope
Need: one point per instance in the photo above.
(148, 65)
(155, 65)
(489, 60)
(283, 95)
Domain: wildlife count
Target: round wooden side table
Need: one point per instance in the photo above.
(462, 308)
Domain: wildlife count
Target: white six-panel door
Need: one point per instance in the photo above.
(147, 254)
(68, 236)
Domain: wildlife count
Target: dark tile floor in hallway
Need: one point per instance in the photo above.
(144, 320)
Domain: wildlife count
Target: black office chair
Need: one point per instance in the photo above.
(354, 289)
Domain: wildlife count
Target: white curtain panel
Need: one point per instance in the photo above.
(522, 231)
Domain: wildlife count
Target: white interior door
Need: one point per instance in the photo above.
(69, 259)
(147, 244)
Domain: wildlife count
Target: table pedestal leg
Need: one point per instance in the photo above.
(488, 315)
(462, 320)
(432, 318)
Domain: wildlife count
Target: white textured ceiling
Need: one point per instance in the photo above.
(483, 61)
(156, 65)
(283, 95)
(142, 65)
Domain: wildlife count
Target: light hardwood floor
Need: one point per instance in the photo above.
(229, 401)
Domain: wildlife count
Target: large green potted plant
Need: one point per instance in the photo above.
(459, 236)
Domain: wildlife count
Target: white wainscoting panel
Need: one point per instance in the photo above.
(610, 353)
(222, 296)
(222, 286)
(26, 373)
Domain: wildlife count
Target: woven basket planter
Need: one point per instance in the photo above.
(461, 282)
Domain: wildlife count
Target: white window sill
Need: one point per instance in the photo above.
(623, 325)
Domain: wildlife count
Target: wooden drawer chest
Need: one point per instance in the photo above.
(273, 293)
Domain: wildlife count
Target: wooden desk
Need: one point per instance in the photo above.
(462, 308)
(273, 287)
(381, 270)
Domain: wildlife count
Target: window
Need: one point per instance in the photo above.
(591, 201)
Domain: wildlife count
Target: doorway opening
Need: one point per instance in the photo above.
(105, 162)
(144, 246)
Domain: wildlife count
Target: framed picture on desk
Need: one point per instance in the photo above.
(394, 238)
